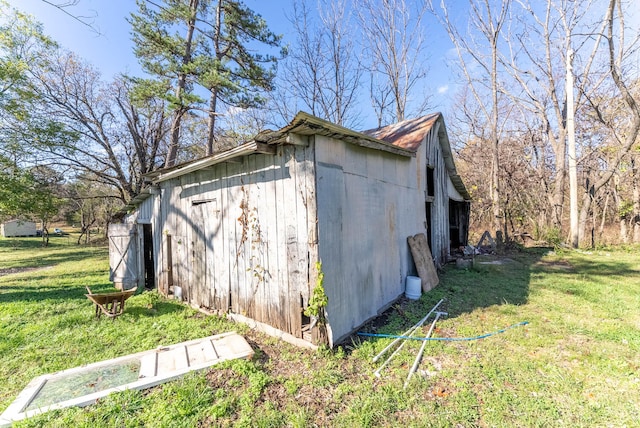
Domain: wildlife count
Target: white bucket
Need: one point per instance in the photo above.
(177, 292)
(413, 288)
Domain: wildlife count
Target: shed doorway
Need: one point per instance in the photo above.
(458, 223)
(147, 252)
(428, 223)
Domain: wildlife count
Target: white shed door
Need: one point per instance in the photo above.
(123, 255)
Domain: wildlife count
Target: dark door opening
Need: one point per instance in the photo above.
(458, 223)
(428, 223)
(147, 244)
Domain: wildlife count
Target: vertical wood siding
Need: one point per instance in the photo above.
(440, 205)
(242, 234)
(368, 204)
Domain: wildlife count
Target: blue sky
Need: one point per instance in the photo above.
(110, 50)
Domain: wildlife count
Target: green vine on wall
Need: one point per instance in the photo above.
(319, 298)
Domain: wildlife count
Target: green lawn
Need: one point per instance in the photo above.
(575, 364)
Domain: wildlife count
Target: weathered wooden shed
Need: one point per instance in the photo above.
(241, 231)
(17, 227)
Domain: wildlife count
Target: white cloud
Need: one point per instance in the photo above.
(443, 89)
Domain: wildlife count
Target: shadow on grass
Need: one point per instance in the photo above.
(23, 243)
(493, 280)
(17, 293)
(160, 308)
(49, 260)
(61, 278)
(603, 268)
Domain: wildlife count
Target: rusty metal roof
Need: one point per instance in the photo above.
(408, 134)
(306, 124)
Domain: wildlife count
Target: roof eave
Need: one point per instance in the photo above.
(447, 154)
(245, 149)
(306, 124)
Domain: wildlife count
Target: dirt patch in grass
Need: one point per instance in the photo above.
(298, 379)
(556, 265)
(225, 379)
(12, 270)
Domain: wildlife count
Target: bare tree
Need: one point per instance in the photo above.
(322, 71)
(338, 98)
(110, 138)
(304, 67)
(394, 33)
(478, 50)
(543, 47)
(622, 69)
(67, 7)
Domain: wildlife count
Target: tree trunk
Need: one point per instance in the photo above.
(495, 146)
(213, 98)
(574, 234)
(583, 217)
(624, 235)
(622, 222)
(603, 220)
(557, 200)
(635, 175)
(182, 83)
(175, 137)
(211, 121)
(495, 160)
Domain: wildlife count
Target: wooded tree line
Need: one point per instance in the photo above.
(546, 119)
(550, 126)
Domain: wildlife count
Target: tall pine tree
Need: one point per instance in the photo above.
(234, 75)
(195, 47)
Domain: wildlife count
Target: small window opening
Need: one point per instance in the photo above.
(431, 186)
(201, 201)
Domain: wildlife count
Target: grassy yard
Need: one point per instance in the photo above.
(576, 363)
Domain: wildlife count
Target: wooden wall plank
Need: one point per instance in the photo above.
(158, 252)
(234, 198)
(330, 205)
(311, 205)
(297, 239)
(286, 212)
(270, 212)
(257, 277)
(242, 237)
(211, 223)
(221, 251)
(198, 264)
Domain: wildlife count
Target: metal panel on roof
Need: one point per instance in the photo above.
(410, 134)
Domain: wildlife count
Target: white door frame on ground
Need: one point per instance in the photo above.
(157, 366)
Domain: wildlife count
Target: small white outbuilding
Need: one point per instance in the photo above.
(17, 227)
